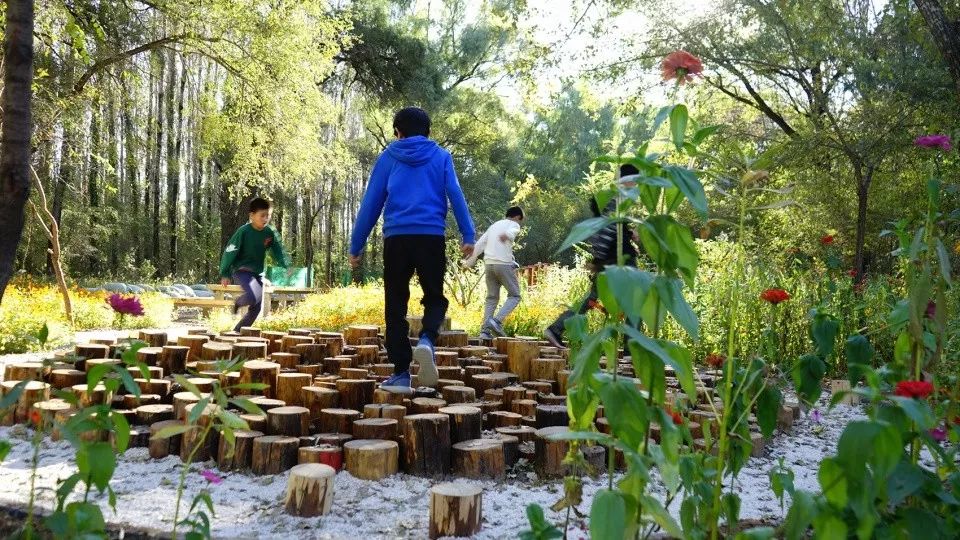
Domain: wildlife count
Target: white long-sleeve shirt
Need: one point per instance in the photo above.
(495, 250)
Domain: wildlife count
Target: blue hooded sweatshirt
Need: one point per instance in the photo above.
(410, 184)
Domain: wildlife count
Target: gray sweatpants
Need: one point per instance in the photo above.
(500, 275)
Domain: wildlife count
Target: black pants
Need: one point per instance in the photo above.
(558, 325)
(402, 256)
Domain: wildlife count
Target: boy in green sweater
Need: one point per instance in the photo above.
(243, 258)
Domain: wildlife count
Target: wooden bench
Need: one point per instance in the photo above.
(281, 296)
(204, 304)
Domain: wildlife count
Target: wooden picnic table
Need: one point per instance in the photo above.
(283, 296)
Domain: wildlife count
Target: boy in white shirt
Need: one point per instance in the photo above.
(500, 269)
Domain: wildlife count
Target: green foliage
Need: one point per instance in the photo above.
(540, 528)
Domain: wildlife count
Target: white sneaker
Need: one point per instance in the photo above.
(423, 356)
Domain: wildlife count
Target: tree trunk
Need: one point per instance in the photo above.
(864, 179)
(155, 174)
(174, 145)
(17, 129)
(946, 35)
(93, 189)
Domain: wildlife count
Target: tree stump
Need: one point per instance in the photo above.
(355, 393)
(290, 421)
(273, 454)
(552, 415)
(338, 420)
(311, 353)
(498, 419)
(335, 364)
(65, 378)
(241, 457)
(355, 332)
(371, 459)
(326, 454)
(310, 490)
(203, 384)
(48, 412)
(201, 449)
(92, 350)
(469, 372)
(511, 449)
(452, 338)
(24, 371)
(96, 397)
(541, 387)
(249, 331)
(380, 410)
(367, 354)
(524, 407)
(317, 398)
(195, 344)
(424, 405)
(426, 444)
(333, 340)
(139, 437)
(256, 422)
(153, 338)
(335, 439)
(520, 355)
(375, 428)
(173, 359)
(288, 343)
(455, 510)
(549, 453)
(479, 458)
(386, 397)
(169, 446)
(285, 359)
(458, 394)
(522, 433)
(259, 371)
(547, 368)
(313, 370)
(250, 350)
(212, 351)
(160, 387)
(513, 393)
(152, 414)
(180, 402)
(483, 382)
(290, 387)
(353, 373)
(562, 377)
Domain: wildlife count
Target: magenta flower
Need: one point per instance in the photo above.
(939, 433)
(816, 416)
(125, 305)
(934, 141)
(211, 476)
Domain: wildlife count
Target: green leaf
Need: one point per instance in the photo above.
(248, 406)
(86, 518)
(654, 508)
(944, 261)
(121, 431)
(833, 481)
(585, 229)
(701, 134)
(808, 374)
(678, 124)
(10, 398)
(731, 507)
(801, 514)
(625, 409)
(231, 420)
(624, 288)
(768, 406)
(608, 516)
(43, 334)
(127, 379)
(95, 375)
(170, 431)
(687, 182)
(4, 449)
(917, 410)
(859, 353)
(869, 442)
(824, 330)
(829, 527)
(905, 480)
(662, 114)
(97, 461)
(670, 245)
(756, 533)
(189, 386)
(668, 352)
(582, 404)
(197, 410)
(670, 293)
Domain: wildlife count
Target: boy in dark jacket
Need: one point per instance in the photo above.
(410, 184)
(603, 251)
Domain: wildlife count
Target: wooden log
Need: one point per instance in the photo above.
(367, 355)
(335, 364)
(273, 454)
(484, 382)
(153, 338)
(497, 419)
(33, 392)
(562, 377)
(382, 370)
(65, 378)
(24, 371)
(524, 407)
(160, 387)
(381, 410)
(213, 351)
(290, 387)
(458, 394)
(180, 402)
(289, 342)
(511, 449)
(204, 384)
(353, 373)
(375, 428)
(98, 396)
(549, 453)
(386, 397)
(522, 433)
(250, 331)
(335, 439)
(455, 510)
(338, 420)
(173, 359)
(273, 340)
(312, 369)
(424, 405)
(317, 398)
(541, 387)
(469, 372)
(240, 457)
(354, 332)
(92, 350)
(479, 458)
(256, 422)
(131, 401)
(326, 454)
(195, 344)
(452, 338)
(334, 341)
(447, 358)
(552, 415)
(291, 421)
(466, 422)
(513, 392)
(48, 412)
(496, 366)
(371, 459)
(193, 446)
(355, 393)
(93, 362)
(150, 355)
(259, 371)
(310, 490)
(287, 360)
(167, 446)
(311, 353)
(426, 444)
(250, 350)
(520, 354)
(546, 368)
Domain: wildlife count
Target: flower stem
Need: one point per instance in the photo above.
(183, 476)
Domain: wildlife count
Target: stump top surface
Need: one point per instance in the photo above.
(32, 385)
(194, 337)
(243, 433)
(318, 389)
(370, 444)
(376, 421)
(364, 327)
(459, 388)
(76, 388)
(312, 470)
(427, 401)
(259, 364)
(172, 348)
(156, 408)
(356, 381)
(456, 489)
(201, 380)
(216, 345)
(277, 439)
(157, 426)
(552, 430)
(511, 430)
(68, 371)
(460, 409)
(478, 444)
(188, 395)
(506, 414)
(292, 375)
(426, 417)
(260, 400)
(287, 409)
(53, 405)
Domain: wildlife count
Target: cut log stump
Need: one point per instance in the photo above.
(327, 454)
(466, 422)
(455, 510)
(550, 453)
(426, 444)
(273, 454)
(479, 458)
(371, 459)
(290, 421)
(310, 490)
(167, 446)
(241, 457)
(375, 428)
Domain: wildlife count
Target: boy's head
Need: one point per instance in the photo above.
(628, 169)
(515, 213)
(261, 210)
(410, 122)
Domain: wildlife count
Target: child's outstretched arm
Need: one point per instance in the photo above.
(280, 255)
(230, 255)
(459, 204)
(370, 208)
(477, 251)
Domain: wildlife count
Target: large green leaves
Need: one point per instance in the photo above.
(585, 229)
(96, 461)
(687, 182)
(807, 374)
(624, 408)
(768, 405)
(859, 353)
(670, 245)
(608, 516)
(869, 442)
(667, 352)
(823, 330)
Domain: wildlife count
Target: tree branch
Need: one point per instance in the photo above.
(103, 63)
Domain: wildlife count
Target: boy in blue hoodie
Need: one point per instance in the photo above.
(410, 184)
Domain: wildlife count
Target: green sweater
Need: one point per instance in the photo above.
(247, 250)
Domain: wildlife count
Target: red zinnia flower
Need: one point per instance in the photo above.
(35, 417)
(775, 296)
(853, 272)
(125, 305)
(826, 239)
(681, 66)
(715, 360)
(677, 419)
(913, 389)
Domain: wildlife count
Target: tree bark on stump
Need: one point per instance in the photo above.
(285, 359)
(426, 440)
(326, 454)
(273, 454)
(479, 458)
(375, 428)
(334, 341)
(289, 420)
(455, 510)
(355, 393)
(354, 332)
(241, 458)
(338, 420)
(426, 405)
(259, 371)
(151, 414)
(180, 402)
(65, 378)
(256, 422)
(549, 453)
(214, 350)
(546, 368)
(249, 350)
(290, 387)
(499, 419)
(317, 398)
(371, 459)
(522, 433)
(289, 343)
(380, 410)
(150, 355)
(382, 396)
(482, 383)
(48, 412)
(173, 359)
(524, 407)
(367, 355)
(310, 490)
(169, 446)
(153, 338)
(334, 364)
(335, 439)
(511, 449)
(466, 422)
(87, 398)
(194, 343)
(24, 371)
(458, 394)
(552, 415)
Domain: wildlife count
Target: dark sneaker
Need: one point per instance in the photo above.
(398, 383)
(423, 356)
(236, 309)
(485, 335)
(495, 325)
(553, 338)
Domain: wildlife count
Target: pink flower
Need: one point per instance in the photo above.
(211, 477)
(681, 66)
(939, 434)
(934, 141)
(125, 305)
(816, 416)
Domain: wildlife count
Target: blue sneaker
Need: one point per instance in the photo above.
(423, 356)
(397, 383)
(495, 325)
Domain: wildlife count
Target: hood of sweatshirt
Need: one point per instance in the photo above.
(413, 151)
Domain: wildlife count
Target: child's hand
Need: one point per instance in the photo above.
(225, 281)
(504, 237)
(466, 249)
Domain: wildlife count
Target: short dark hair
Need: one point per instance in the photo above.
(515, 211)
(594, 207)
(628, 169)
(412, 121)
(259, 203)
